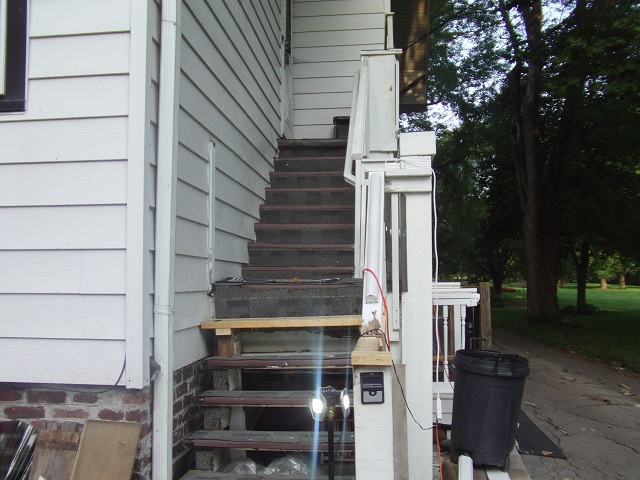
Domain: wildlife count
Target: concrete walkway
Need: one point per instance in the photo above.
(590, 410)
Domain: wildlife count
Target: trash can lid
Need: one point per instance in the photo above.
(488, 362)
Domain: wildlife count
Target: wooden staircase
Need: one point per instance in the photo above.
(288, 325)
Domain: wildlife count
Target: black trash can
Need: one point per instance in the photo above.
(486, 401)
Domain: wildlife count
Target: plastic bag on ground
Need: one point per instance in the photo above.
(243, 466)
(293, 464)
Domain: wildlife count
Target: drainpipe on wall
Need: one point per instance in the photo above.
(165, 215)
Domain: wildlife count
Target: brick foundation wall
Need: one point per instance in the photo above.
(39, 404)
(189, 382)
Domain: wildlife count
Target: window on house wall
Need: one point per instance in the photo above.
(13, 55)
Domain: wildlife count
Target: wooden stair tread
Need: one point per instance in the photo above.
(284, 322)
(300, 226)
(335, 206)
(299, 269)
(334, 173)
(209, 475)
(255, 398)
(302, 246)
(307, 189)
(277, 441)
(282, 360)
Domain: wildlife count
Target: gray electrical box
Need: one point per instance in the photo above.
(372, 387)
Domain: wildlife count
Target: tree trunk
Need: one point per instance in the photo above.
(582, 268)
(603, 283)
(622, 280)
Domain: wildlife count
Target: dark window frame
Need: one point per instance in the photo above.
(15, 95)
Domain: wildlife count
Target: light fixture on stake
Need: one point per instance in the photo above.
(322, 405)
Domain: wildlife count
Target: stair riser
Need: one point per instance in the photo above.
(307, 181)
(304, 274)
(295, 258)
(308, 216)
(326, 235)
(300, 148)
(311, 198)
(238, 302)
(309, 164)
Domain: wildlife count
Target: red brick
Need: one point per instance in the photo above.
(10, 394)
(46, 396)
(85, 398)
(106, 414)
(134, 399)
(136, 416)
(19, 412)
(70, 413)
(180, 390)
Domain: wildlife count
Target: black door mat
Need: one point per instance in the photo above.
(533, 441)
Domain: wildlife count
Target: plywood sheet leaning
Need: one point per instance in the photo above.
(107, 451)
(55, 452)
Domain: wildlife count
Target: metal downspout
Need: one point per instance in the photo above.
(165, 214)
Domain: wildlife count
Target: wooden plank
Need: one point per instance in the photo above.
(258, 440)
(69, 227)
(65, 17)
(103, 54)
(54, 454)
(60, 271)
(63, 316)
(77, 183)
(82, 362)
(284, 361)
(107, 451)
(369, 352)
(283, 322)
(485, 313)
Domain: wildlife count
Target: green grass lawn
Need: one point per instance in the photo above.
(611, 335)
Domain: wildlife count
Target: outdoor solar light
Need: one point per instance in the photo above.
(322, 405)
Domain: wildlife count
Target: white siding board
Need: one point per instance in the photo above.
(192, 204)
(226, 269)
(231, 248)
(78, 227)
(327, 69)
(93, 362)
(64, 140)
(76, 17)
(218, 49)
(103, 54)
(63, 316)
(191, 238)
(329, 54)
(337, 7)
(227, 190)
(331, 39)
(337, 23)
(321, 100)
(75, 98)
(191, 309)
(77, 183)
(323, 85)
(320, 117)
(189, 346)
(229, 219)
(63, 271)
(192, 274)
(193, 169)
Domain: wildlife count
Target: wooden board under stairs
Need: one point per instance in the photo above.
(207, 475)
(254, 398)
(282, 361)
(283, 322)
(269, 441)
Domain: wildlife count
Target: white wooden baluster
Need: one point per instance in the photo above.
(445, 340)
(463, 326)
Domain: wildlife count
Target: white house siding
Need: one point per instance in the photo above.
(328, 36)
(64, 201)
(229, 122)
